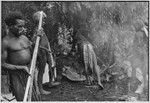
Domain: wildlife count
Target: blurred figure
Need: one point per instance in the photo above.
(88, 58)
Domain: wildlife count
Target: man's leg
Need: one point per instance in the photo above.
(18, 84)
(40, 79)
(35, 81)
(52, 69)
(35, 90)
(41, 68)
(17, 87)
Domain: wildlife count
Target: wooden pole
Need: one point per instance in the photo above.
(33, 65)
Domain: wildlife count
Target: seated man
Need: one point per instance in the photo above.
(16, 56)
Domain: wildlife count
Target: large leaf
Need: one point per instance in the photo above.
(71, 74)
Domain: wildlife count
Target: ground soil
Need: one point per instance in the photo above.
(78, 91)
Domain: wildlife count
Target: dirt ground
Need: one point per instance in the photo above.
(114, 90)
(78, 91)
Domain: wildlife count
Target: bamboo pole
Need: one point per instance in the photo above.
(33, 63)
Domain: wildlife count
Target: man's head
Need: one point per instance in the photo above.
(15, 23)
(36, 17)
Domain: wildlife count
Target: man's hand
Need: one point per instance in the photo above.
(26, 69)
(40, 32)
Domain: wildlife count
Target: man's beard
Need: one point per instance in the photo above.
(17, 34)
(23, 32)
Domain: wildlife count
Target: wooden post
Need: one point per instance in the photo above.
(33, 65)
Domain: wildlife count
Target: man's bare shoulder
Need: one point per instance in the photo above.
(24, 37)
(5, 40)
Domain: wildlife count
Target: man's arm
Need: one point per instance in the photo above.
(4, 58)
(37, 33)
(50, 56)
(33, 39)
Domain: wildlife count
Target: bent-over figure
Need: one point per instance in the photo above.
(88, 58)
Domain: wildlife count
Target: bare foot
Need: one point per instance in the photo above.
(95, 87)
(53, 84)
(45, 92)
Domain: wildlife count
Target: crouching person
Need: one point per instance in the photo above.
(88, 58)
(16, 56)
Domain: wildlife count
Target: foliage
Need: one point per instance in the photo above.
(111, 27)
(65, 39)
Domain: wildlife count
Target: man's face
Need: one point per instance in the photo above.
(18, 29)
